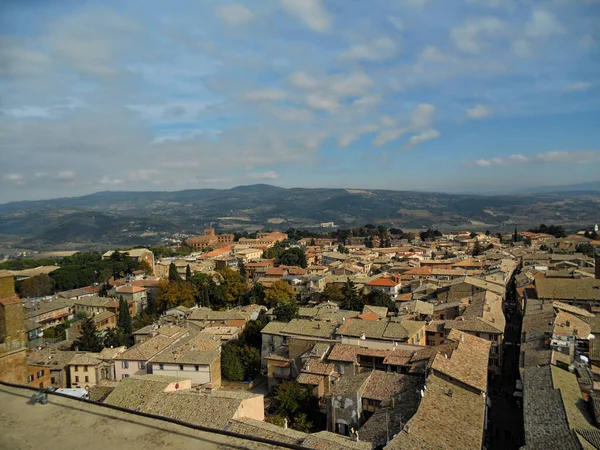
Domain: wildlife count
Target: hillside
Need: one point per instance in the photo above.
(140, 218)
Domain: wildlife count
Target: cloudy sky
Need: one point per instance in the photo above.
(461, 95)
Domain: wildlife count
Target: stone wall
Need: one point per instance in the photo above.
(7, 285)
(13, 366)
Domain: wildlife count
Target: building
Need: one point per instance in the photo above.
(174, 398)
(355, 398)
(135, 294)
(390, 286)
(383, 334)
(13, 356)
(195, 357)
(135, 360)
(90, 369)
(139, 254)
(38, 376)
(210, 239)
(57, 363)
(249, 254)
(50, 313)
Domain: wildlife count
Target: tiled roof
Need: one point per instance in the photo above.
(319, 368)
(568, 288)
(468, 362)
(308, 378)
(146, 350)
(382, 329)
(577, 412)
(266, 430)
(351, 384)
(208, 314)
(381, 311)
(54, 359)
(572, 309)
(566, 324)
(129, 289)
(147, 394)
(383, 385)
(448, 417)
(12, 300)
(304, 327)
(111, 353)
(85, 359)
(190, 350)
(326, 440)
(383, 282)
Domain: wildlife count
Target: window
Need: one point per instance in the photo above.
(197, 368)
(53, 380)
(85, 368)
(76, 368)
(125, 364)
(30, 378)
(161, 367)
(40, 374)
(180, 366)
(141, 365)
(87, 379)
(124, 376)
(76, 379)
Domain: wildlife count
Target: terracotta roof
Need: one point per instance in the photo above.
(448, 418)
(266, 430)
(129, 289)
(309, 378)
(383, 282)
(12, 300)
(191, 350)
(85, 359)
(468, 363)
(369, 316)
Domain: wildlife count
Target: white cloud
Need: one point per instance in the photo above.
(235, 14)
(367, 101)
(479, 112)
(311, 12)
(268, 95)
(15, 177)
(522, 47)
(422, 137)
(543, 24)
(378, 49)
(579, 86)
(472, 36)
(576, 157)
(419, 118)
(397, 23)
(320, 102)
(270, 175)
(65, 175)
(303, 80)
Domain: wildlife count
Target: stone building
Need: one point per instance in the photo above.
(13, 347)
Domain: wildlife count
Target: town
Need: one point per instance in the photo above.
(366, 338)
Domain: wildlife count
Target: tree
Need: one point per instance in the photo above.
(487, 232)
(188, 273)
(293, 257)
(208, 291)
(342, 249)
(104, 289)
(235, 288)
(146, 267)
(114, 337)
(379, 298)
(175, 294)
(279, 292)
(37, 286)
(124, 321)
(242, 268)
(296, 402)
(173, 274)
(231, 363)
(286, 311)
(151, 306)
(301, 423)
(352, 300)
(587, 249)
(476, 249)
(332, 293)
(89, 340)
(257, 294)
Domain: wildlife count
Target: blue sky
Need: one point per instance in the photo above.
(465, 95)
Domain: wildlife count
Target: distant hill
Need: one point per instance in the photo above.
(143, 218)
(581, 187)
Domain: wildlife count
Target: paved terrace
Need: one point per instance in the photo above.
(70, 424)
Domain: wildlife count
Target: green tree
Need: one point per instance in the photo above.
(37, 286)
(487, 232)
(342, 249)
(294, 256)
(352, 299)
(124, 321)
(242, 269)
(173, 274)
(257, 294)
(88, 340)
(232, 368)
(175, 294)
(286, 311)
(332, 293)
(114, 337)
(301, 423)
(516, 236)
(279, 292)
(188, 273)
(476, 249)
(104, 289)
(379, 298)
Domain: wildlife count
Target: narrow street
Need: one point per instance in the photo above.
(505, 430)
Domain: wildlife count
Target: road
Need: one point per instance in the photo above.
(505, 429)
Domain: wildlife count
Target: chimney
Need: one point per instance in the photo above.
(285, 423)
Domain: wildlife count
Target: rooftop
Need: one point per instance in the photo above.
(113, 427)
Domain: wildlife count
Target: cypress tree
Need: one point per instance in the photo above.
(188, 273)
(173, 274)
(124, 322)
(88, 340)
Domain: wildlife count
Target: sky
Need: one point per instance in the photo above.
(429, 95)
